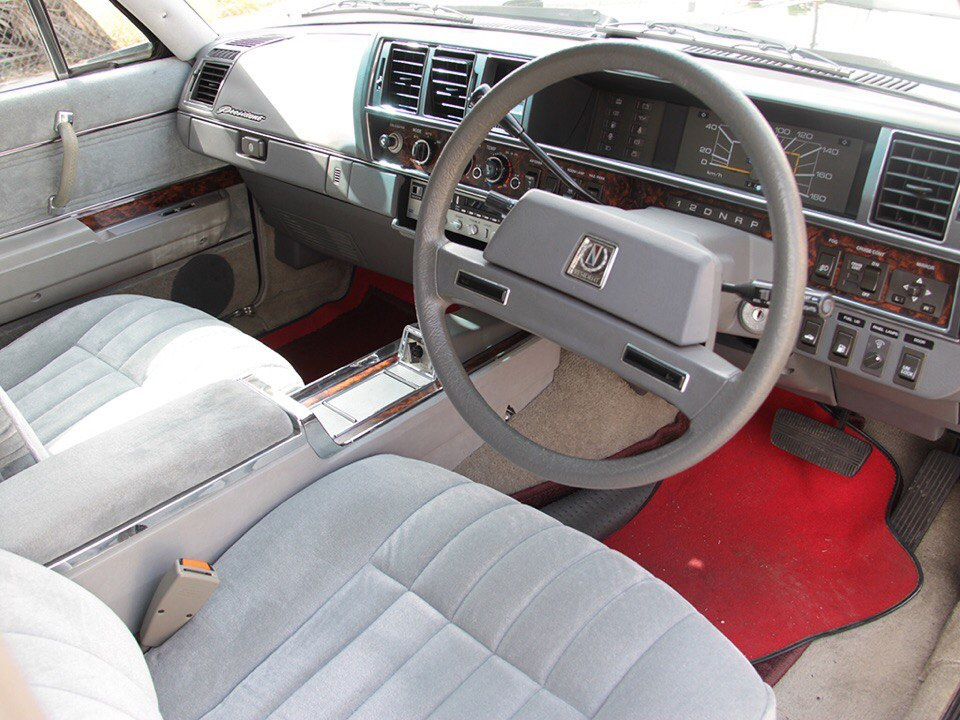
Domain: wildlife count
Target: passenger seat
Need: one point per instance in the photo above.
(111, 359)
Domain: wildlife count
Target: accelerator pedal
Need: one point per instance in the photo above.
(817, 443)
(921, 501)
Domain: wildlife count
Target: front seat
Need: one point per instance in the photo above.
(108, 360)
(391, 588)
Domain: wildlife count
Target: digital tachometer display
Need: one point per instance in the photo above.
(824, 164)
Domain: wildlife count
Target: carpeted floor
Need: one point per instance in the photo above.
(872, 672)
(372, 314)
(769, 547)
(587, 411)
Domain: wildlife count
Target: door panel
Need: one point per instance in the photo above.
(143, 201)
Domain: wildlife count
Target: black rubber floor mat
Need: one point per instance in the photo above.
(922, 499)
(818, 443)
(599, 513)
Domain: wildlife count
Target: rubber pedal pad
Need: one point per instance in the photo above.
(818, 443)
(923, 498)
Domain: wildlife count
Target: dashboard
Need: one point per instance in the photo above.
(878, 177)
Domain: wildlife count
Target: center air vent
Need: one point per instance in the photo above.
(251, 42)
(918, 186)
(209, 80)
(404, 76)
(449, 84)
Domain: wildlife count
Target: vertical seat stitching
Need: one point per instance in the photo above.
(589, 620)
(543, 589)
(636, 660)
(460, 684)
(497, 562)
(293, 633)
(443, 626)
(460, 532)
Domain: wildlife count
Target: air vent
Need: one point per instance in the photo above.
(449, 84)
(254, 41)
(209, 80)
(918, 186)
(224, 54)
(404, 76)
(891, 83)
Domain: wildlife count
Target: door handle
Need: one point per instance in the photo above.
(63, 125)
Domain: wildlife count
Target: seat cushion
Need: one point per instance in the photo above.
(108, 360)
(76, 657)
(392, 588)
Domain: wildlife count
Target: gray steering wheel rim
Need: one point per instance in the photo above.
(737, 402)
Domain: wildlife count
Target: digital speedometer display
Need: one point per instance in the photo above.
(824, 164)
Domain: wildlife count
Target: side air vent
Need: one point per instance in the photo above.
(449, 84)
(918, 186)
(254, 41)
(209, 80)
(224, 54)
(404, 76)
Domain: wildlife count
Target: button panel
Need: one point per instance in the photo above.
(916, 292)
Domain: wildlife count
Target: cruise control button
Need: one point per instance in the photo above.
(870, 279)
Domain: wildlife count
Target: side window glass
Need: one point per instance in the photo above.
(95, 31)
(23, 57)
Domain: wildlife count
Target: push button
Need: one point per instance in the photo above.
(842, 345)
(825, 265)
(252, 147)
(810, 334)
(908, 368)
(870, 279)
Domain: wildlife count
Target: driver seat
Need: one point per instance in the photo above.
(391, 588)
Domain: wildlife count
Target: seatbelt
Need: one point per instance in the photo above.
(17, 702)
(184, 589)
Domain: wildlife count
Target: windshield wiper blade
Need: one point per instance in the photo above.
(405, 7)
(741, 41)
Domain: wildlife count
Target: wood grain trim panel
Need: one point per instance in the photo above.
(153, 200)
(630, 193)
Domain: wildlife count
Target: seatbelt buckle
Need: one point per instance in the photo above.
(182, 591)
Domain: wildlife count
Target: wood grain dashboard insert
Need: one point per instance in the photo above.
(630, 193)
(160, 198)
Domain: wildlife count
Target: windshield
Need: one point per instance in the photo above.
(917, 37)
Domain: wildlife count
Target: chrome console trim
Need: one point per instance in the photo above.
(67, 562)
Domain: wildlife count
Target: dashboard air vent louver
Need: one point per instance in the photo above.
(209, 80)
(883, 81)
(404, 76)
(449, 84)
(254, 41)
(224, 54)
(918, 186)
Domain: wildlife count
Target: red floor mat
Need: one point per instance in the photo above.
(372, 314)
(771, 549)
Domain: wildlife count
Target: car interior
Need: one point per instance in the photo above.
(525, 359)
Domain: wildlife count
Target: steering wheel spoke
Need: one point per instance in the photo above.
(688, 377)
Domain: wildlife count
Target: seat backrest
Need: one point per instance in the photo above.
(76, 656)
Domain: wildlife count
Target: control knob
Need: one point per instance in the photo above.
(495, 169)
(421, 152)
(391, 142)
(873, 361)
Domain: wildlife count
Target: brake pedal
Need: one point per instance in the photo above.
(818, 443)
(922, 500)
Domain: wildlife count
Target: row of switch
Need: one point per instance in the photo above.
(874, 357)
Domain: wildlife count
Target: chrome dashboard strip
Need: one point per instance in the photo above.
(162, 512)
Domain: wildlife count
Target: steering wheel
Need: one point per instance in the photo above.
(640, 296)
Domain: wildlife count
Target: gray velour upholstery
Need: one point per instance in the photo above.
(108, 360)
(393, 588)
(91, 488)
(77, 657)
